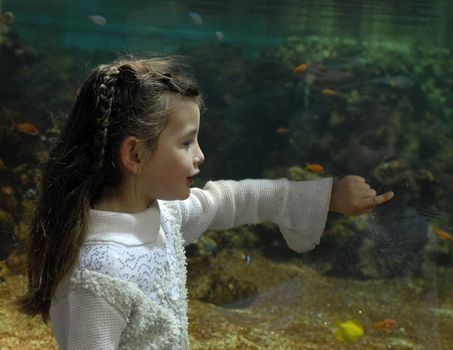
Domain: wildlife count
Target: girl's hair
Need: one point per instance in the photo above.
(128, 97)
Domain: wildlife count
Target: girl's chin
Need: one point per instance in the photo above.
(186, 194)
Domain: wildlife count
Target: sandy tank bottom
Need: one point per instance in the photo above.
(296, 308)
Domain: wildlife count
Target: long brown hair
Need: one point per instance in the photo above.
(127, 97)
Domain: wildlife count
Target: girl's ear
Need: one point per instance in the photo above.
(131, 154)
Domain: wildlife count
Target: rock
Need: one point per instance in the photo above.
(395, 240)
(220, 288)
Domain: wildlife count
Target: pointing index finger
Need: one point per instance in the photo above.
(382, 198)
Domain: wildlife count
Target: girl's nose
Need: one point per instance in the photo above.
(199, 158)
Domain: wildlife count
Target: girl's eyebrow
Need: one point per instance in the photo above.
(191, 132)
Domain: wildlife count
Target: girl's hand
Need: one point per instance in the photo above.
(353, 196)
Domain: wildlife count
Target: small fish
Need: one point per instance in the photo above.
(247, 259)
(442, 234)
(97, 19)
(30, 194)
(8, 190)
(329, 92)
(195, 17)
(211, 246)
(25, 128)
(2, 165)
(300, 68)
(219, 35)
(397, 81)
(348, 331)
(317, 168)
(282, 130)
(387, 323)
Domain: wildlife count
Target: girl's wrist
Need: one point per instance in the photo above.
(332, 199)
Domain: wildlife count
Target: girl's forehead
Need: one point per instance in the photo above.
(181, 102)
(183, 109)
(183, 115)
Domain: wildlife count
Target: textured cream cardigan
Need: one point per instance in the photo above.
(128, 289)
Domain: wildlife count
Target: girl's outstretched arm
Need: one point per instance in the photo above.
(299, 208)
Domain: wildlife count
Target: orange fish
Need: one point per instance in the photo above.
(25, 128)
(329, 92)
(317, 168)
(443, 234)
(387, 323)
(8, 190)
(282, 130)
(300, 68)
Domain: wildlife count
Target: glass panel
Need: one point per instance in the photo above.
(297, 89)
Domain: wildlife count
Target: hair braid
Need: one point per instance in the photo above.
(106, 94)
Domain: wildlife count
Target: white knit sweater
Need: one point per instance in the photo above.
(128, 290)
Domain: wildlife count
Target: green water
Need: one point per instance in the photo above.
(375, 100)
(165, 25)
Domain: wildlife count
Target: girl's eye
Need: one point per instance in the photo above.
(187, 143)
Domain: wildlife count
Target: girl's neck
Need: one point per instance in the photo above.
(115, 200)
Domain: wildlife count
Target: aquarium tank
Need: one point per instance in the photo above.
(295, 89)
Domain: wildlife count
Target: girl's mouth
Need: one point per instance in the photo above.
(190, 178)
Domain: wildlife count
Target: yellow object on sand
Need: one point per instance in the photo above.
(348, 331)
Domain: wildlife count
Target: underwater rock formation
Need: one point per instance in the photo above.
(208, 280)
(395, 240)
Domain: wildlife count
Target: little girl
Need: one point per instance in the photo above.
(106, 258)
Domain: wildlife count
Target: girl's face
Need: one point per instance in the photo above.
(168, 170)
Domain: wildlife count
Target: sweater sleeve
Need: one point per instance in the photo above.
(299, 208)
(82, 320)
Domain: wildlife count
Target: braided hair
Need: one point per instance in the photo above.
(127, 97)
(106, 93)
